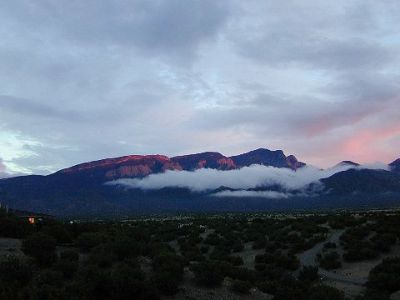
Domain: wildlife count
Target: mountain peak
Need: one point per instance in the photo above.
(294, 163)
(347, 163)
(266, 157)
(395, 165)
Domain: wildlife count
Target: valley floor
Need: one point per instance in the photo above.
(229, 256)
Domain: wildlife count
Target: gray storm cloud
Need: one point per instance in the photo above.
(197, 75)
(245, 178)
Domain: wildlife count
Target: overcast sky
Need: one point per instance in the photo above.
(85, 80)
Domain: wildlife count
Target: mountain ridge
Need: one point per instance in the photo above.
(138, 166)
(81, 189)
(395, 166)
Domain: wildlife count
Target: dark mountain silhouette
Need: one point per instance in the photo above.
(364, 181)
(395, 166)
(80, 190)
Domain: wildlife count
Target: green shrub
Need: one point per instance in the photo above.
(41, 247)
(207, 274)
(15, 270)
(69, 255)
(88, 240)
(330, 261)
(309, 273)
(241, 287)
(102, 256)
(385, 276)
(323, 292)
(166, 283)
(66, 267)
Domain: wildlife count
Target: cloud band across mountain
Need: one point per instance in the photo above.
(251, 177)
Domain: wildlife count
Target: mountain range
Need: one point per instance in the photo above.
(83, 189)
(143, 165)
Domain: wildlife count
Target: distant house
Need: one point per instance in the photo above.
(181, 225)
(32, 219)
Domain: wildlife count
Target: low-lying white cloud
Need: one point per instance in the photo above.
(261, 194)
(241, 179)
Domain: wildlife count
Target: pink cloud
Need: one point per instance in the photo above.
(370, 144)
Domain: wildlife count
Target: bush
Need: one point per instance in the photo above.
(238, 247)
(94, 283)
(127, 282)
(308, 273)
(259, 243)
(360, 254)
(324, 292)
(125, 247)
(207, 273)
(204, 249)
(13, 227)
(166, 283)
(241, 287)
(385, 276)
(330, 261)
(41, 247)
(67, 267)
(58, 232)
(169, 263)
(260, 267)
(289, 289)
(213, 239)
(48, 277)
(235, 260)
(268, 286)
(329, 245)
(69, 255)
(102, 256)
(287, 262)
(88, 240)
(15, 270)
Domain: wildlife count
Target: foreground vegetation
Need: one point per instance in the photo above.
(161, 257)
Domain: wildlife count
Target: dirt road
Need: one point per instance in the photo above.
(308, 258)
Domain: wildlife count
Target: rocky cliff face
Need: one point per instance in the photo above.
(211, 160)
(122, 167)
(293, 163)
(143, 165)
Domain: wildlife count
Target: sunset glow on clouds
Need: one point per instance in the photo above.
(84, 80)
